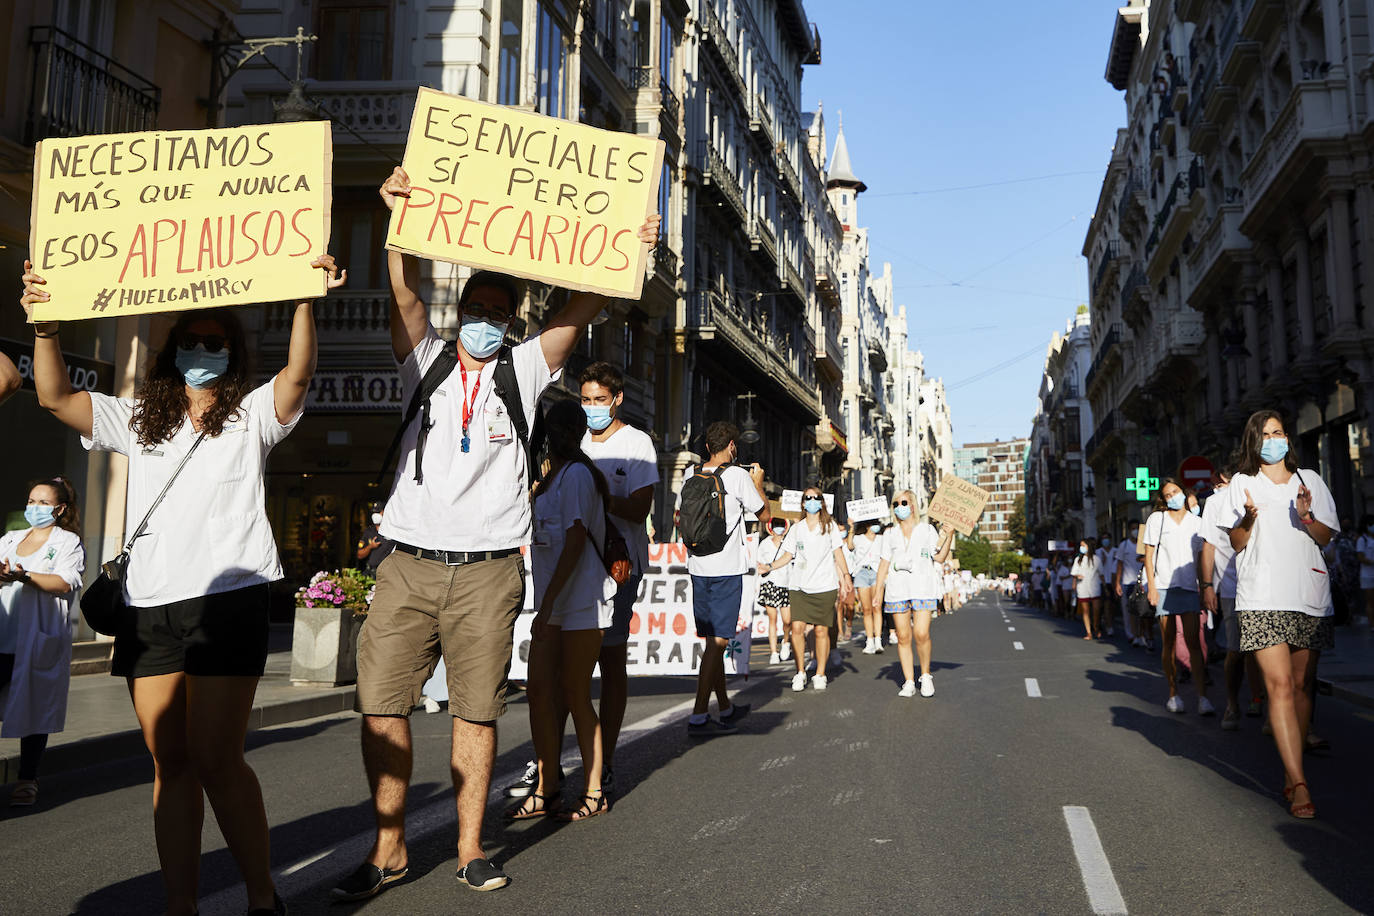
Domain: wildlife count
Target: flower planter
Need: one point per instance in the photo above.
(324, 647)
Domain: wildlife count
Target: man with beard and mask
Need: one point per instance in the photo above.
(459, 512)
(372, 547)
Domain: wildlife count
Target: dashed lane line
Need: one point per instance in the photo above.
(1104, 895)
(1017, 646)
(1032, 687)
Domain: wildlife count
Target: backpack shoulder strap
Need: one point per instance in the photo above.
(434, 376)
(508, 390)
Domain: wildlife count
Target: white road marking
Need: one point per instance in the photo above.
(1011, 629)
(305, 863)
(1032, 687)
(1104, 896)
(1017, 646)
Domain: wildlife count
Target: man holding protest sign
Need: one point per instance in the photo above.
(459, 514)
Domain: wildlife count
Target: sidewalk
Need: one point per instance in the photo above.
(101, 725)
(1348, 670)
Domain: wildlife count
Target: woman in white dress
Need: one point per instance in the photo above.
(1279, 517)
(40, 576)
(773, 593)
(1173, 544)
(1087, 577)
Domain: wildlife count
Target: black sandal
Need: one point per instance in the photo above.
(545, 806)
(592, 805)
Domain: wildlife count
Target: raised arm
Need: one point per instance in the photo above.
(946, 543)
(9, 378)
(561, 334)
(50, 379)
(292, 383)
(1240, 534)
(409, 317)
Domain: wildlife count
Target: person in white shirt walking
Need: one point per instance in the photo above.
(1087, 576)
(815, 549)
(773, 596)
(1218, 569)
(863, 544)
(1173, 541)
(1279, 517)
(909, 585)
(1106, 561)
(715, 498)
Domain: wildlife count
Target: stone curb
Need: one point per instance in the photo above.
(1342, 692)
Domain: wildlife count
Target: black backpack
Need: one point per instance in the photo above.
(507, 389)
(701, 515)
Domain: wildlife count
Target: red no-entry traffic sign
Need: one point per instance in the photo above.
(1195, 470)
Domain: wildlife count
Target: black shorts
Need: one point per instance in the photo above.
(220, 635)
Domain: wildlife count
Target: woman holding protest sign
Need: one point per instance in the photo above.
(909, 585)
(819, 575)
(573, 597)
(192, 641)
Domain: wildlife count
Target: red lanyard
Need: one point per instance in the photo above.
(468, 404)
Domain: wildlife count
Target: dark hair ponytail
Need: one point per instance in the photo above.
(565, 423)
(70, 519)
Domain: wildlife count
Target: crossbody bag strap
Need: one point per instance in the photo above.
(138, 532)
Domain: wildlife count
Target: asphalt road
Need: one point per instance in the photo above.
(985, 799)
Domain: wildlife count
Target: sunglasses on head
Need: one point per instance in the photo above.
(213, 343)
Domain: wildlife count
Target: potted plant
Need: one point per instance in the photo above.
(330, 610)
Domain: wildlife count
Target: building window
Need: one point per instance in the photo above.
(666, 42)
(665, 200)
(552, 52)
(508, 57)
(355, 41)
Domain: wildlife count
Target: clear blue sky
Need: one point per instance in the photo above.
(943, 95)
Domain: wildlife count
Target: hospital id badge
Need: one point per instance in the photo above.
(498, 428)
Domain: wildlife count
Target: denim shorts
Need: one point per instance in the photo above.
(618, 633)
(1178, 601)
(865, 578)
(716, 603)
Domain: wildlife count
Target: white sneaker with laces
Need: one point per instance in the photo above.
(1205, 707)
(878, 647)
(1175, 704)
(927, 685)
(869, 648)
(892, 638)
(799, 681)
(818, 682)
(786, 653)
(908, 689)
(774, 659)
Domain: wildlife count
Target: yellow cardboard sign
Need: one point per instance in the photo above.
(958, 503)
(161, 221)
(527, 195)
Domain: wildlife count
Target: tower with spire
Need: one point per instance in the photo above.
(843, 186)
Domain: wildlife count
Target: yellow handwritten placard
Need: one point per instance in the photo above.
(160, 221)
(958, 503)
(527, 195)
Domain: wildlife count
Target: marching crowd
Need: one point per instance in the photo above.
(1258, 565)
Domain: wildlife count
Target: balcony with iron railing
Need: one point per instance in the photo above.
(713, 317)
(665, 260)
(718, 39)
(603, 44)
(1105, 264)
(761, 123)
(718, 177)
(762, 239)
(1132, 195)
(790, 181)
(829, 359)
(828, 285)
(76, 90)
(369, 111)
(650, 78)
(1135, 293)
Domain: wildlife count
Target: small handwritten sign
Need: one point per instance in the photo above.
(863, 510)
(161, 221)
(958, 504)
(528, 195)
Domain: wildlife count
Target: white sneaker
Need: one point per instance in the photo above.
(878, 647)
(786, 653)
(908, 689)
(775, 659)
(870, 648)
(430, 704)
(818, 682)
(1205, 707)
(799, 681)
(892, 638)
(927, 685)
(1175, 704)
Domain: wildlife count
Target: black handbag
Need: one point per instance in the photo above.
(102, 603)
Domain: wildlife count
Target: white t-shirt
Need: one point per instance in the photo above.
(210, 534)
(768, 552)
(865, 554)
(571, 497)
(813, 557)
(1128, 562)
(1090, 568)
(741, 496)
(1177, 545)
(629, 462)
(62, 556)
(1365, 546)
(1106, 560)
(1281, 568)
(474, 500)
(1223, 556)
(912, 574)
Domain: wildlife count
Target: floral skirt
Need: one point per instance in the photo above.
(772, 595)
(1262, 629)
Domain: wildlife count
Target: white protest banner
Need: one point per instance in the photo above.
(958, 503)
(863, 510)
(791, 502)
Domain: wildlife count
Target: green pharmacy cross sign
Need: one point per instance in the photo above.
(1143, 484)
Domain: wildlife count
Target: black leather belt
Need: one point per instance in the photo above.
(456, 557)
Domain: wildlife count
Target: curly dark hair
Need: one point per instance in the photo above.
(160, 404)
(70, 518)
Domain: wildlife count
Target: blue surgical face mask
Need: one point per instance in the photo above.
(1196, 510)
(1083, 549)
(40, 516)
(199, 368)
(1273, 451)
(598, 416)
(875, 528)
(480, 337)
(902, 512)
(812, 506)
(1176, 501)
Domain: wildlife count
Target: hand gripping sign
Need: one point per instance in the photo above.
(165, 220)
(527, 195)
(958, 504)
